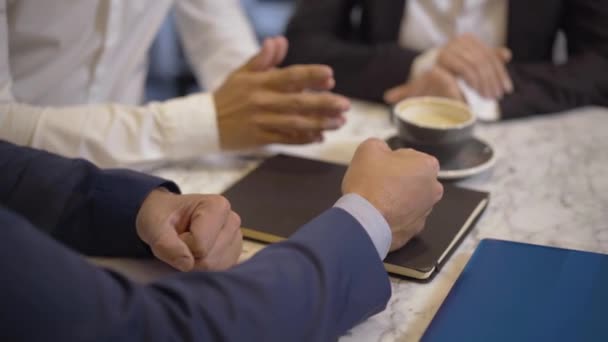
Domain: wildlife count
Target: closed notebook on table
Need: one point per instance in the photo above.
(512, 291)
(285, 192)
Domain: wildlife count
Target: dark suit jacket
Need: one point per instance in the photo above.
(309, 288)
(367, 59)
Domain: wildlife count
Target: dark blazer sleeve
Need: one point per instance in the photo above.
(313, 287)
(581, 81)
(321, 32)
(90, 210)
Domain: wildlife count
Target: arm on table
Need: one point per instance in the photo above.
(312, 287)
(89, 209)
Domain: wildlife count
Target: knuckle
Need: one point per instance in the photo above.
(432, 162)
(297, 122)
(292, 75)
(299, 102)
(407, 152)
(220, 202)
(258, 99)
(369, 142)
(420, 226)
(439, 190)
(236, 219)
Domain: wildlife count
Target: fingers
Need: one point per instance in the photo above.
(487, 65)
(481, 67)
(227, 247)
(435, 82)
(444, 84)
(263, 59)
(170, 248)
(438, 82)
(460, 62)
(289, 137)
(410, 230)
(324, 103)
(401, 237)
(271, 54)
(374, 144)
(505, 55)
(233, 251)
(207, 220)
(299, 77)
(428, 170)
(297, 123)
(397, 94)
(282, 45)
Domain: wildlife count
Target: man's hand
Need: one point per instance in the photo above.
(482, 67)
(401, 184)
(435, 82)
(261, 104)
(190, 231)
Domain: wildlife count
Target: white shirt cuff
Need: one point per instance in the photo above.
(424, 62)
(484, 109)
(191, 126)
(370, 219)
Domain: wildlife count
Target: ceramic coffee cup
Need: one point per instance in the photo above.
(434, 125)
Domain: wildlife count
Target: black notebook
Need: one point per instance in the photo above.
(286, 192)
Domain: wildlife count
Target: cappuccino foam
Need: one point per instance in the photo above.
(433, 115)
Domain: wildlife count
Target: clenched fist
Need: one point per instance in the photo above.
(401, 184)
(190, 232)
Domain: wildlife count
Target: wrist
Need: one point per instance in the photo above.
(374, 202)
(370, 218)
(149, 207)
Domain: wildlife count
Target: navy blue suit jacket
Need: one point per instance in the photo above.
(312, 287)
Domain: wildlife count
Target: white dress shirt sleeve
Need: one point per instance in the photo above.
(112, 135)
(109, 135)
(370, 219)
(484, 109)
(216, 36)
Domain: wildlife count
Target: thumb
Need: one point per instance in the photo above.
(173, 250)
(264, 59)
(396, 94)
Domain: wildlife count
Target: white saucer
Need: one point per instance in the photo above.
(475, 157)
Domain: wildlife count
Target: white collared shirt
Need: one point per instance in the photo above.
(429, 24)
(72, 76)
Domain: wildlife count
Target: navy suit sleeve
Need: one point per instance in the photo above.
(312, 287)
(90, 210)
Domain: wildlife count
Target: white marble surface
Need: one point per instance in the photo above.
(549, 186)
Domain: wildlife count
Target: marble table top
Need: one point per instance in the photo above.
(549, 186)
